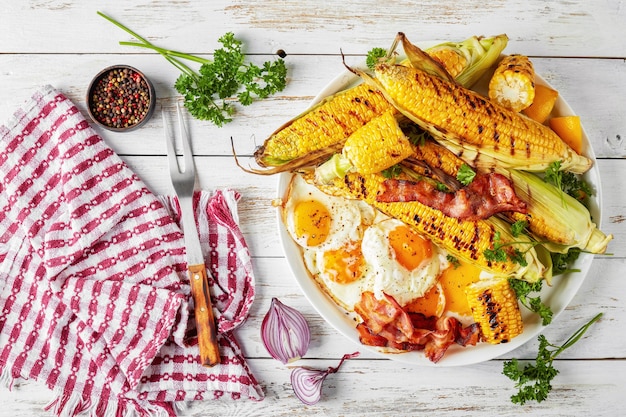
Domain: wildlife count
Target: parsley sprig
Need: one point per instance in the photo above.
(523, 289)
(503, 251)
(561, 261)
(534, 381)
(374, 55)
(465, 174)
(568, 182)
(210, 91)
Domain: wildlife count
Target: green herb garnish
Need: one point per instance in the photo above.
(210, 91)
(568, 182)
(374, 55)
(562, 261)
(392, 172)
(465, 175)
(523, 289)
(440, 186)
(499, 254)
(518, 227)
(534, 380)
(454, 261)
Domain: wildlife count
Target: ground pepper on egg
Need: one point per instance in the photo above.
(120, 98)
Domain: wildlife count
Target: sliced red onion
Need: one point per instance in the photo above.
(285, 332)
(307, 382)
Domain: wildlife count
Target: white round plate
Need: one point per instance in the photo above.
(558, 296)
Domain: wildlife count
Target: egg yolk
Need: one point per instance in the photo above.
(311, 221)
(431, 304)
(454, 280)
(411, 249)
(344, 265)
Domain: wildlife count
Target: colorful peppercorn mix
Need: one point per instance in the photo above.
(120, 98)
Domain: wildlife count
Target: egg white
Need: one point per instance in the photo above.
(345, 295)
(347, 216)
(388, 275)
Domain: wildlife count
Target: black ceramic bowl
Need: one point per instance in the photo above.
(120, 98)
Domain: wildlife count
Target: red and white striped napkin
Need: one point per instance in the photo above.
(94, 296)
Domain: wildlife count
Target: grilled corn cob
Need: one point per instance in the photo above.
(453, 61)
(468, 60)
(494, 307)
(374, 147)
(554, 218)
(377, 145)
(558, 220)
(485, 133)
(330, 122)
(438, 157)
(513, 83)
(467, 240)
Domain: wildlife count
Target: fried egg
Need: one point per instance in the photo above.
(402, 263)
(316, 220)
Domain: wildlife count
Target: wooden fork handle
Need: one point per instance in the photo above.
(205, 322)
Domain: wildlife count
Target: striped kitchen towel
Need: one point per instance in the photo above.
(94, 296)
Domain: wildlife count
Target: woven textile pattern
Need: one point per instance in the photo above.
(94, 297)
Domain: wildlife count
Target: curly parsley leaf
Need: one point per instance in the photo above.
(518, 227)
(392, 172)
(466, 174)
(503, 251)
(534, 380)
(439, 186)
(454, 261)
(568, 182)
(523, 289)
(374, 55)
(562, 261)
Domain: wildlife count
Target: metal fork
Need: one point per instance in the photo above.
(183, 182)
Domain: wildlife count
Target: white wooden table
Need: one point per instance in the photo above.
(578, 46)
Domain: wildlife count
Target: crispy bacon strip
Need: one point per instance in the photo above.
(487, 195)
(386, 324)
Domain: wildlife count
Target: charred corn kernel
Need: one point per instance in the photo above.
(438, 157)
(513, 83)
(495, 308)
(377, 145)
(330, 122)
(484, 133)
(453, 61)
(467, 240)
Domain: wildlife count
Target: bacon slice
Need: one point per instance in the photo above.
(487, 195)
(387, 324)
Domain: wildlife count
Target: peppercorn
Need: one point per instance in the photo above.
(120, 98)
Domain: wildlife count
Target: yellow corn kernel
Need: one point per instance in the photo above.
(484, 133)
(495, 308)
(513, 83)
(451, 60)
(377, 145)
(438, 157)
(326, 124)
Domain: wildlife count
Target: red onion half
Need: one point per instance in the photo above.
(307, 382)
(285, 332)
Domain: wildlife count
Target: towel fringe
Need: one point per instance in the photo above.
(69, 405)
(6, 379)
(73, 405)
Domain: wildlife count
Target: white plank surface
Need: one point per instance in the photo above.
(576, 45)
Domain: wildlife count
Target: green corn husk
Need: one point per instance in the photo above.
(480, 53)
(558, 211)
